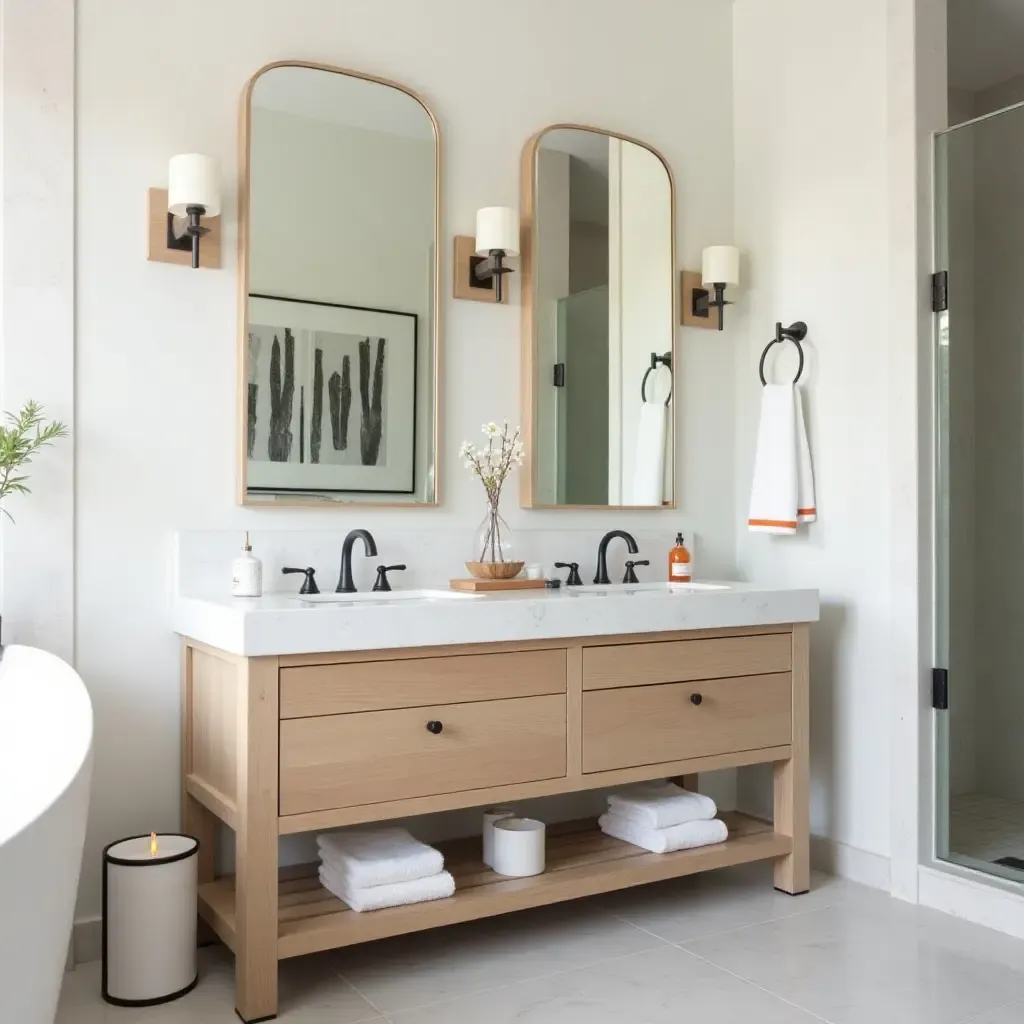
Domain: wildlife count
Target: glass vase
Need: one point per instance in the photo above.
(493, 554)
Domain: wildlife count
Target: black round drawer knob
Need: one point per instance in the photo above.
(696, 698)
(434, 727)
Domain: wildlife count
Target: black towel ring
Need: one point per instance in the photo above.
(794, 333)
(666, 361)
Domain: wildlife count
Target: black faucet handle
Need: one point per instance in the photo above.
(382, 576)
(573, 579)
(630, 576)
(309, 583)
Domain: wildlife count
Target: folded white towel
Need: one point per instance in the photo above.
(395, 894)
(660, 804)
(649, 460)
(380, 856)
(782, 493)
(686, 837)
(664, 840)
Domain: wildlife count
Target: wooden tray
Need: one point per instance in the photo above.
(475, 586)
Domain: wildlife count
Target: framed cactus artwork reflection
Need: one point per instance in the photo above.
(331, 398)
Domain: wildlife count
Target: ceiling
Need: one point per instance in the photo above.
(986, 42)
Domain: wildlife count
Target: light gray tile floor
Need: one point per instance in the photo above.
(722, 948)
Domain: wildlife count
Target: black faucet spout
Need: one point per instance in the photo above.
(602, 552)
(345, 584)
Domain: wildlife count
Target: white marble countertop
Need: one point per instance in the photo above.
(279, 624)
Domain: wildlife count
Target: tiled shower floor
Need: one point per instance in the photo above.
(985, 828)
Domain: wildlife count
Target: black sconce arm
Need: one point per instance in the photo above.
(492, 268)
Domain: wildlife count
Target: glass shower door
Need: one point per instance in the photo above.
(979, 560)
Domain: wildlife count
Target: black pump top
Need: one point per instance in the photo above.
(679, 540)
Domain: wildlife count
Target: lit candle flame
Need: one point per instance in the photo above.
(152, 844)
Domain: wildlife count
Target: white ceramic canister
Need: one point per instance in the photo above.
(518, 847)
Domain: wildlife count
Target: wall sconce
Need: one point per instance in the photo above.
(193, 192)
(497, 237)
(721, 269)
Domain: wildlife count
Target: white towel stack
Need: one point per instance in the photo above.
(662, 817)
(370, 869)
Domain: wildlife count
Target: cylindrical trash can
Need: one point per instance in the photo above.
(149, 919)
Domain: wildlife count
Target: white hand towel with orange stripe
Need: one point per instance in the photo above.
(782, 494)
(806, 504)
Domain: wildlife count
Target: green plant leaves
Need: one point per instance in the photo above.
(26, 433)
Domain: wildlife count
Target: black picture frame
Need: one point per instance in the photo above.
(414, 473)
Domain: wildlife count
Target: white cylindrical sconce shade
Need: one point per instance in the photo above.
(497, 227)
(193, 180)
(491, 815)
(518, 847)
(149, 919)
(721, 265)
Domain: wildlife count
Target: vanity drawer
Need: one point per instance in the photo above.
(677, 661)
(346, 760)
(651, 724)
(419, 682)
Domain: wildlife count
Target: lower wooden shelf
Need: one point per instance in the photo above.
(581, 861)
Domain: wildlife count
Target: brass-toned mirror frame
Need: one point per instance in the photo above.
(528, 356)
(244, 134)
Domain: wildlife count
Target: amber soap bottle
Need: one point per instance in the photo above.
(680, 566)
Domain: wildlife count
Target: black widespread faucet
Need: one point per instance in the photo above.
(345, 584)
(602, 552)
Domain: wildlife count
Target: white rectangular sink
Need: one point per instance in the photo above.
(613, 589)
(380, 596)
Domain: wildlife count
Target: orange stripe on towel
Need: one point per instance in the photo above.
(784, 523)
(806, 511)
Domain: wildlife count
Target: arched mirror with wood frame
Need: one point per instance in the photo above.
(599, 314)
(339, 342)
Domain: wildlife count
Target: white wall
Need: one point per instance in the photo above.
(156, 344)
(811, 206)
(37, 194)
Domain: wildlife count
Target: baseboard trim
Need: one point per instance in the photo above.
(862, 866)
(977, 900)
(87, 940)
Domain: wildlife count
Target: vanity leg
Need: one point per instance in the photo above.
(256, 844)
(792, 780)
(196, 820)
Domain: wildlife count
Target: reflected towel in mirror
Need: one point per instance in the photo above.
(649, 461)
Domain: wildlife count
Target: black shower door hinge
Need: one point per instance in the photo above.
(940, 689)
(559, 375)
(940, 291)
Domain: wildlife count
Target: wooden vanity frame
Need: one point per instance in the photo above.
(619, 703)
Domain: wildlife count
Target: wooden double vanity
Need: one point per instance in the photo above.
(301, 742)
(300, 718)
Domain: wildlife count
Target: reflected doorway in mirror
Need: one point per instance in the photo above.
(331, 397)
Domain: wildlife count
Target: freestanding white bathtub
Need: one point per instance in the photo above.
(45, 769)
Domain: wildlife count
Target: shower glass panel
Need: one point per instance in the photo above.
(980, 495)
